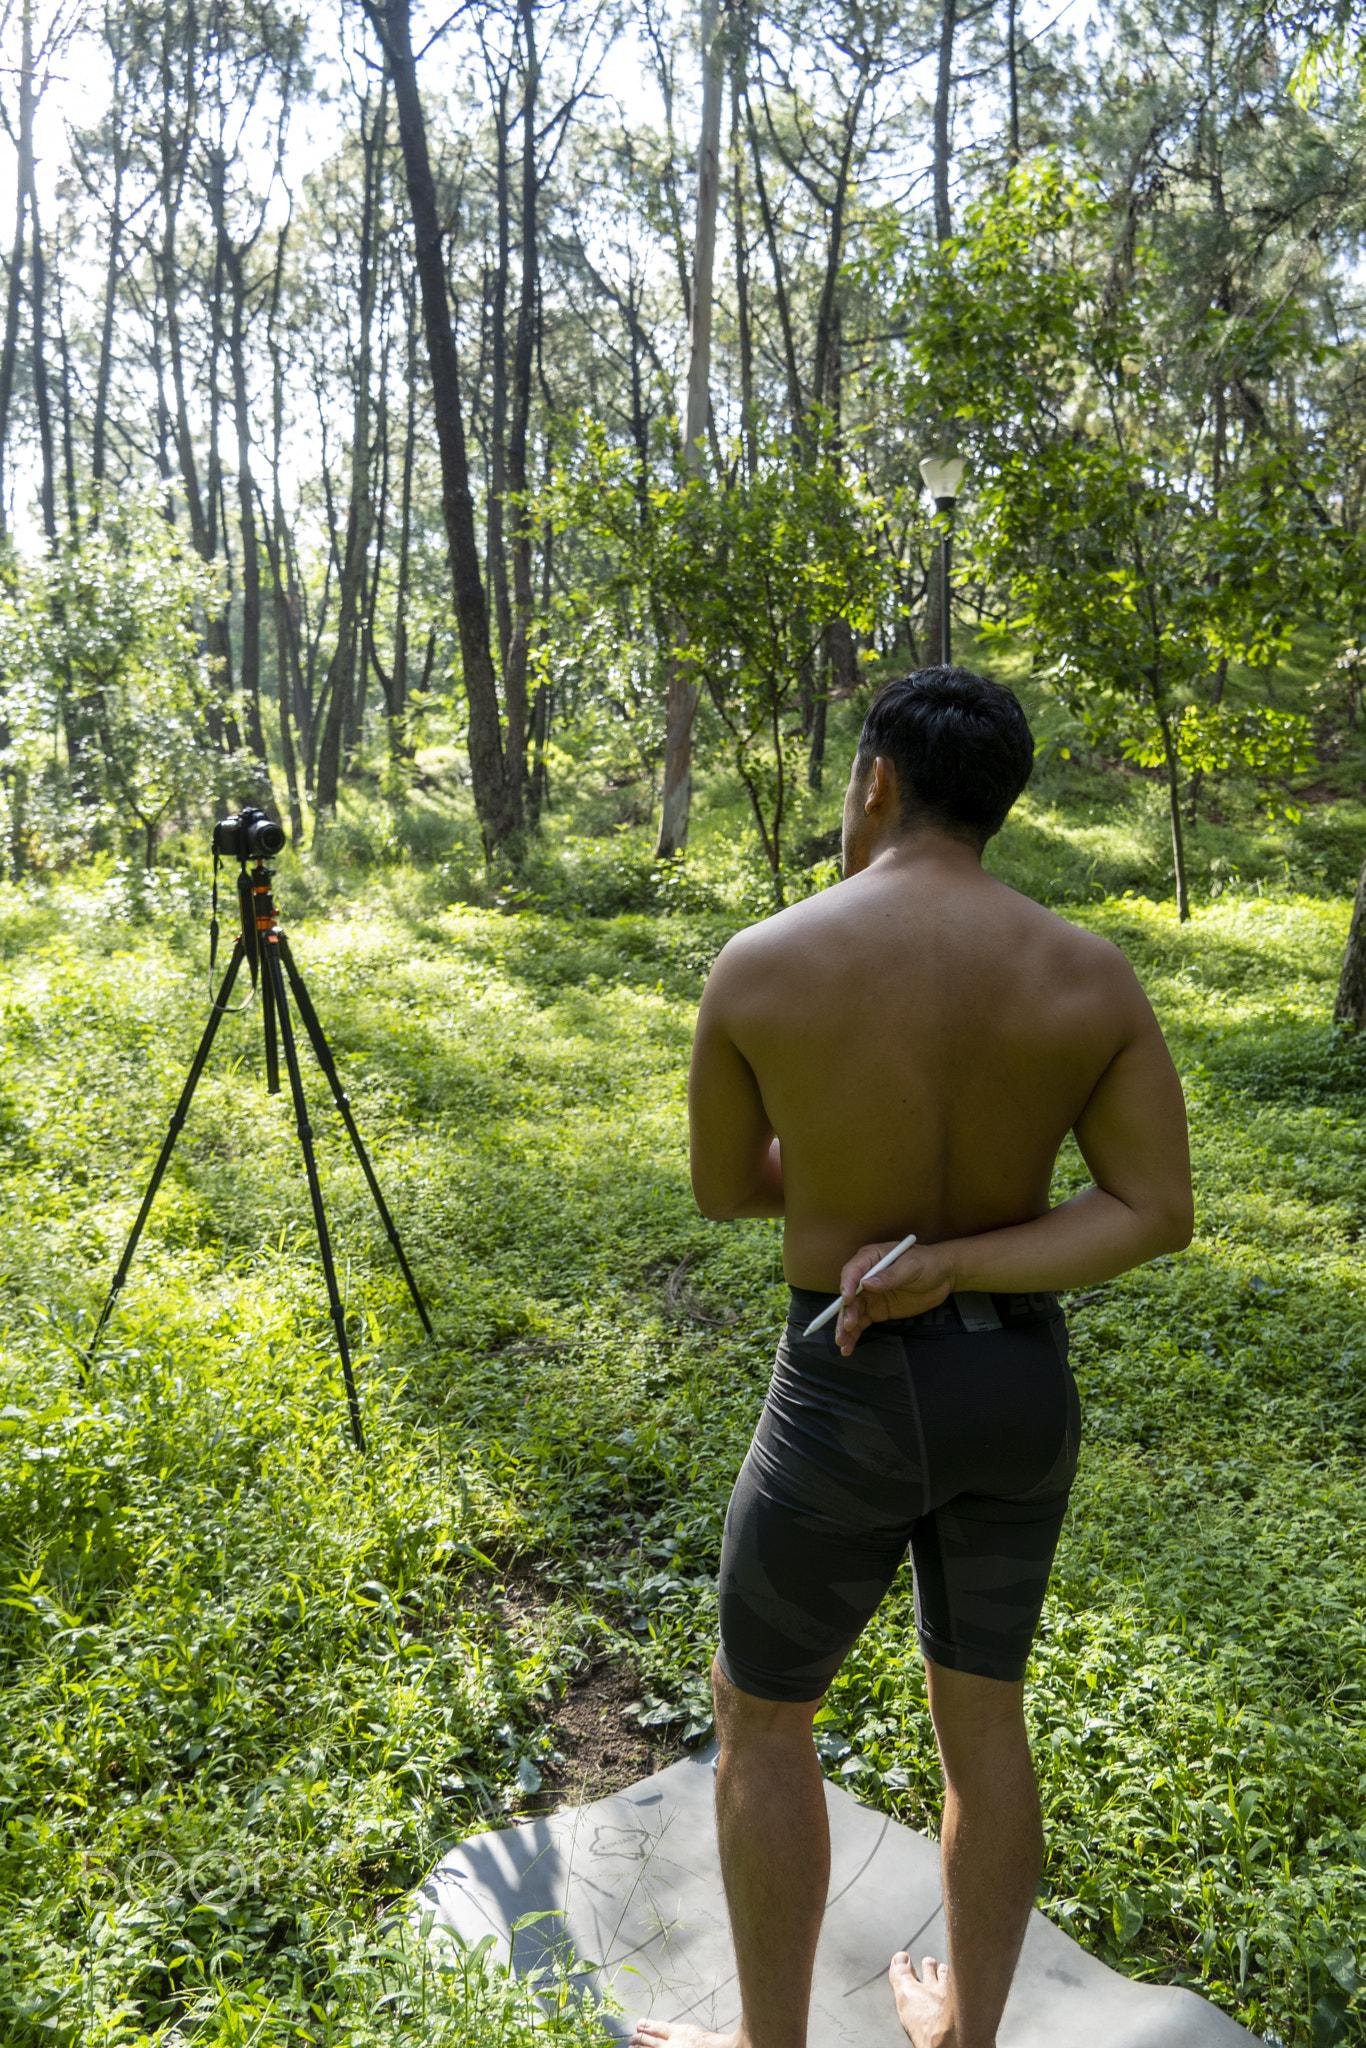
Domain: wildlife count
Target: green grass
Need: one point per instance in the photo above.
(254, 1685)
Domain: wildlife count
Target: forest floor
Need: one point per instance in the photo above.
(254, 1684)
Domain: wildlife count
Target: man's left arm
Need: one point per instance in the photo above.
(736, 1164)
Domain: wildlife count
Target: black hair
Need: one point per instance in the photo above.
(961, 747)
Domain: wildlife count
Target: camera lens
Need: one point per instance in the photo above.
(265, 837)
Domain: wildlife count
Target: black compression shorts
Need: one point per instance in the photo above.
(955, 1432)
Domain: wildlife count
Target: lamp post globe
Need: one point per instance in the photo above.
(943, 474)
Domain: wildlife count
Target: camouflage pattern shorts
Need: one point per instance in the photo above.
(955, 1432)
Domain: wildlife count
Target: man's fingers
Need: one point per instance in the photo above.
(867, 1256)
(849, 1323)
(907, 1269)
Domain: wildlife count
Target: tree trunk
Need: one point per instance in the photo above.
(839, 639)
(251, 560)
(105, 365)
(286, 657)
(286, 637)
(41, 400)
(828, 313)
(539, 792)
(745, 332)
(498, 395)
(519, 648)
(780, 293)
(16, 790)
(395, 685)
(704, 246)
(1197, 781)
(1183, 907)
(684, 693)
(354, 736)
(943, 115)
(222, 725)
(815, 762)
(1351, 1003)
(679, 719)
(309, 701)
(664, 78)
(1014, 83)
(341, 674)
(73, 518)
(23, 180)
(932, 631)
(495, 800)
(165, 466)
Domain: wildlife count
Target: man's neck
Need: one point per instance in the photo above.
(921, 848)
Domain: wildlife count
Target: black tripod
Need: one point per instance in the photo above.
(266, 950)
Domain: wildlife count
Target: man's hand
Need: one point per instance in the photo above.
(920, 1280)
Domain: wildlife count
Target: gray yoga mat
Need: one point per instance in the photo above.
(632, 1886)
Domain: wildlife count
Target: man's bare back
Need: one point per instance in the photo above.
(981, 1025)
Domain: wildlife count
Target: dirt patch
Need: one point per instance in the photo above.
(603, 1749)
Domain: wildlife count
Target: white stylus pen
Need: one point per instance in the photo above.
(887, 1259)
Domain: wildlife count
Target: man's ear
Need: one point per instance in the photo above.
(882, 787)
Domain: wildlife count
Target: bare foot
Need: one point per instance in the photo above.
(679, 2034)
(922, 2003)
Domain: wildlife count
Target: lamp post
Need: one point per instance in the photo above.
(943, 474)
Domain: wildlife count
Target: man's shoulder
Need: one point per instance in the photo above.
(1079, 965)
(1085, 949)
(787, 934)
(777, 954)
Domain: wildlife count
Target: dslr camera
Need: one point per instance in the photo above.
(249, 835)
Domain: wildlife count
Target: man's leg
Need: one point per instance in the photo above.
(992, 1853)
(775, 1859)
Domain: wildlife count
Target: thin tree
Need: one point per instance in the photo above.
(497, 799)
(286, 628)
(528, 308)
(685, 688)
(360, 510)
(22, 134)
(1351, 1002)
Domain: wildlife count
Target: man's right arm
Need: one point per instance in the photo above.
(1132, 1134)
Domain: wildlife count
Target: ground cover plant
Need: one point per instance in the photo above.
(253, 1685)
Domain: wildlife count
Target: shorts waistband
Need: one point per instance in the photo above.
(961, 1311)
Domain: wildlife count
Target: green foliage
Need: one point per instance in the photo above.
(735, 581)
(1217, 740)
(106, 631)
(1137, 556)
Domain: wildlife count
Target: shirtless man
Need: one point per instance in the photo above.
(907, 1052)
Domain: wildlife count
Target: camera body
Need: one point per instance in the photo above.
(249, 835)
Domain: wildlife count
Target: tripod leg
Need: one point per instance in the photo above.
(182, 1110)
(268, 1028)
(323, 1054)
(271, 964)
